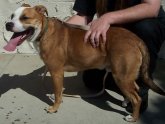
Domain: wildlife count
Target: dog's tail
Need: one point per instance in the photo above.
(90, 95)
(144, 71)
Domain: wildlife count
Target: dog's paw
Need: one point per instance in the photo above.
(51, 109)
(51, 97)
(125, 103)
(129, 118)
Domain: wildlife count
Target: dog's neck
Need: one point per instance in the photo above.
(44, 28)
(46, 21)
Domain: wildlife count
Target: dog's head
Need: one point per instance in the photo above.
(26, 23)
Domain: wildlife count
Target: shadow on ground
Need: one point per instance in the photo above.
(32, 84)
(154, 115)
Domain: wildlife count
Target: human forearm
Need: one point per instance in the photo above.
(135, 13)
(79, 19)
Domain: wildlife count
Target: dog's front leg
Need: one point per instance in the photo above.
(58, 85)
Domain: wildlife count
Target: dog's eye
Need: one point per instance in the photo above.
(24, 17)
(12, 16)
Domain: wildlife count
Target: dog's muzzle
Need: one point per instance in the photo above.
(9, 26)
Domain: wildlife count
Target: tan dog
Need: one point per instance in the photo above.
(62, 49)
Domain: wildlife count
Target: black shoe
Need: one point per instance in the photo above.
(143, 107)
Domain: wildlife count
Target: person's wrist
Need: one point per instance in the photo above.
(109, 18)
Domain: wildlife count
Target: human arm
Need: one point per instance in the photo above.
(79, 19)
(147, 9)
(99, 27)
(85, 12)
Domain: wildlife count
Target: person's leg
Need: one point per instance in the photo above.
(93, 79)
(152, 33)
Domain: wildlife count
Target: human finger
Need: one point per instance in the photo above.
(97, 37)
(88, 33)
(92, 39)
(104, 36)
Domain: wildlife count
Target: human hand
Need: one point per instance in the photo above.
(98, 27)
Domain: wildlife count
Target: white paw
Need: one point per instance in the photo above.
(129, 118)
(51, 97)
(125, 103)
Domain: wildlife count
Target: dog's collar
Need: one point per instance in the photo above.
(45, 28)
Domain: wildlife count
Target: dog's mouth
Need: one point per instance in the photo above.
(18, 38)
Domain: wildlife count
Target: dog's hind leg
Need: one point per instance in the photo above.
(136, 102)
(90, 95)
(52, 97)
(128, 88)
(125, 80)
(126, 101)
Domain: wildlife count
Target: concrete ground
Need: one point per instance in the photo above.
(23, 97)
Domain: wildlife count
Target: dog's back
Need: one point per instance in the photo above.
(118, 40)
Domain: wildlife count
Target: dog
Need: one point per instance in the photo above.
(62, 49)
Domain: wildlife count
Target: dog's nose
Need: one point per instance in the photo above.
(9, 26)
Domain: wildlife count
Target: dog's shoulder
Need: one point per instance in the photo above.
(83, 27)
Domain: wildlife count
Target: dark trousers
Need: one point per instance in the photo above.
(152, 32)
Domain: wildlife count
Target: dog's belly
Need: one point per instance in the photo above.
(70, 68)
(76, 66)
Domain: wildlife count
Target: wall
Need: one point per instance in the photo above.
(56, 8)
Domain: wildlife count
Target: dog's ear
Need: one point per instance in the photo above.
(25, 5)
(41, 9)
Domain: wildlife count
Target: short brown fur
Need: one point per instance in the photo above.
(62, 49)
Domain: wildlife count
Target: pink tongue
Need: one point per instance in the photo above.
(12, 44)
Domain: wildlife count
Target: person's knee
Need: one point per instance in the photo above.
(148, 31)
(145, 29)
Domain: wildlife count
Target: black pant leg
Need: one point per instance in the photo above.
(152, 33)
